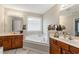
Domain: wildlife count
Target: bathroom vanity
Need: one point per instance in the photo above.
(63, 46)
(11, 41)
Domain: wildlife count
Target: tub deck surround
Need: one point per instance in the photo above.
(11, 41)
(64, 46)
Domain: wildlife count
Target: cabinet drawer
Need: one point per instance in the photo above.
(74, 50)
(63, 45)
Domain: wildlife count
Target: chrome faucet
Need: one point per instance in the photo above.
(70, 38)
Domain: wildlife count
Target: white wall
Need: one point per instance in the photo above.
(51, 17)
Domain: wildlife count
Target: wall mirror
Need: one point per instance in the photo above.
(77, 27)
(15, 24)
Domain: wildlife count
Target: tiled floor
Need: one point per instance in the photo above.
(24, 51)
(30, 48)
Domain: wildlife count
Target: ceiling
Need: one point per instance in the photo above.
(35, 8)
(73, 10)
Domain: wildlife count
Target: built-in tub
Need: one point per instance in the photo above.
(37, 39)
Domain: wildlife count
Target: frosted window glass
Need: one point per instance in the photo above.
(34, 24)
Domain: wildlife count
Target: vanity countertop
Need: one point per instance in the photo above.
(74, 42)
(10, 34)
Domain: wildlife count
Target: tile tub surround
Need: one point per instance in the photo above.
(74, 42)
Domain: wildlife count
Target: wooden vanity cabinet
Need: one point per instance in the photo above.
(54, 48)
(64, 51)
(74, 50)
(63, 45)
(1, 42)
(17, 42)
(58, 47)
(7, 42)
(11, 42)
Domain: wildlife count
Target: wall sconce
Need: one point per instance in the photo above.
(24, 27)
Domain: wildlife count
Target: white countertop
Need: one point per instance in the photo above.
(74, 42)
(9, 34)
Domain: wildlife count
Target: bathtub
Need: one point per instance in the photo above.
(37, 39)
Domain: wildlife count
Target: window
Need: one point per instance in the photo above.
(34, 24)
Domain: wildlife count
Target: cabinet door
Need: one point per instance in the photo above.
(65, 51)
(17, 42)
(63, 45)
(54, 49)
(1, 43)
(74, 50)
(7, 43)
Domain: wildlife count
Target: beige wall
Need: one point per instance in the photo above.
(69, 22)
(8, 20)
(51, 17)
(5, 20)
(24, 15)
(1, 20)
